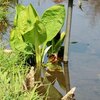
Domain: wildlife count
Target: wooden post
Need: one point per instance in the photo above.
(17, 1)
(67, 42)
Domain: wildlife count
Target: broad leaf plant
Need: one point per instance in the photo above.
(38, 36)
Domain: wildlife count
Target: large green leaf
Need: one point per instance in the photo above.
(53, 19)
(17, 43)
(24, 23)
(25, 17)
(37, 35)
(19, 8)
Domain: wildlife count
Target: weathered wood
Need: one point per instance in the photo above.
(66, 43)
(70, 95)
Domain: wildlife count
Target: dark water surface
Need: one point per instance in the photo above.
(84, 55)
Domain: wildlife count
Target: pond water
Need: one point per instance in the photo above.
(84, 53)
(84, 56)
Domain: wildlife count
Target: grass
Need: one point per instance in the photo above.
(12, 75)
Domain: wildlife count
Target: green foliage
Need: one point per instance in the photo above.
(56, 43)
(53, 19)
(12, 75)
(32, 33)
(3, 9)
(30, 29)
(17, 42)
(39, 34)
(2, 13)
(5, 12)
(25, 23)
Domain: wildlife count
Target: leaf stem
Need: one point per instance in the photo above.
(38, 63)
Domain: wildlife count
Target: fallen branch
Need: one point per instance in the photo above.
(69, 95)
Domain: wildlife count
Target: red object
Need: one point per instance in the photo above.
(58, 1)
(53, 58)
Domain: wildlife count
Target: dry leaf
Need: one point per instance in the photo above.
(29, 81)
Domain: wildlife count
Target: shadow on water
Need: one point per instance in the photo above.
(79, 47)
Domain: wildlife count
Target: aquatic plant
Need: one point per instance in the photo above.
(37, 36)
(32, 33)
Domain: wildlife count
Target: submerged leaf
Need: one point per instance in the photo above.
(50, 92)
(56, 75)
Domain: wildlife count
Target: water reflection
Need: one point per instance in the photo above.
(58, 1)
(96, 5)
(79, 47)
(92, 9)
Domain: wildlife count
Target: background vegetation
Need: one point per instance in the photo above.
(12, 75)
